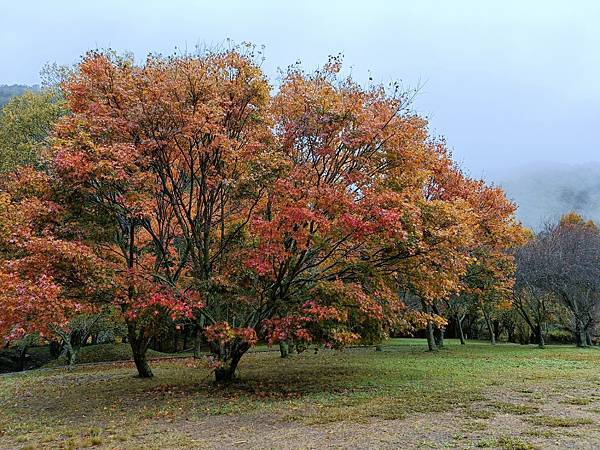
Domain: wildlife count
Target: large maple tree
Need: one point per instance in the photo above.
(302, 214)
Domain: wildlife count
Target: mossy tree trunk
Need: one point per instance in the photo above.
(490, 327)
(461, 333)
(539, 332)
(429, 330)
(284, 349)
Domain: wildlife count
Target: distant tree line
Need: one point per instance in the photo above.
(555, 297)
(9, 91)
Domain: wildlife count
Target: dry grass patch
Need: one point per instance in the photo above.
(414, 395)
(559, 422)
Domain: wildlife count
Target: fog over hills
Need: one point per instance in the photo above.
(545, 191)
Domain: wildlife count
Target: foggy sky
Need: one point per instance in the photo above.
(507, 83)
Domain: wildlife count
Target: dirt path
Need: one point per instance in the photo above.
(507, 419)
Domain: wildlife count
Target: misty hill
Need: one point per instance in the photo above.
(9, 91)
(545, 191)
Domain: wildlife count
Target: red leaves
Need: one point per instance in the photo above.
(29, 305)
(286, 328)
(320, 313)
(352, 224)
(152, 300)
(43, 279)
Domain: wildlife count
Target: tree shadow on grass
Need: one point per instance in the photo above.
(103, 393)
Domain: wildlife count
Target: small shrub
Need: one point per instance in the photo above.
(559, 337)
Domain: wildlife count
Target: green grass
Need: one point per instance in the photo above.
(562, 422)
(578, 401)
(511, 408)
(106, 406)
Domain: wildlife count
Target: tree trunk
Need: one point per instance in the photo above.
(490, 327)
(69, 345)
(22, 358)
(226, 373)
(430, 337)
(175, 341)
(69, 351)
(139, 346)
(141, 364)
(580, 338)
(438, 332)
(200, 322)
(540, 336)
(461, 333)
(496, 327)
(137, 340)
(197, 342)
(72, 355)
(511, 334)
(284, 349)
(588, 338)
(438, 335)
(429, 330)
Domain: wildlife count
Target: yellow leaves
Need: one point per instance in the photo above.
(571, 218)
(574, 219)
(416, 320)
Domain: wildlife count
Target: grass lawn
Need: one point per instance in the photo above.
(474, 396)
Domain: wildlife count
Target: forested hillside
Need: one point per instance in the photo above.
(9, 91)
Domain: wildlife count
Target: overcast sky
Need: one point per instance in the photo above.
(507, 83)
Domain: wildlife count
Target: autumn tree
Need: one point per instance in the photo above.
(462, 259)
(433, 268)
(304, 216)
(489, 279)
(168, 158)
(310, 270)
(274, 214)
